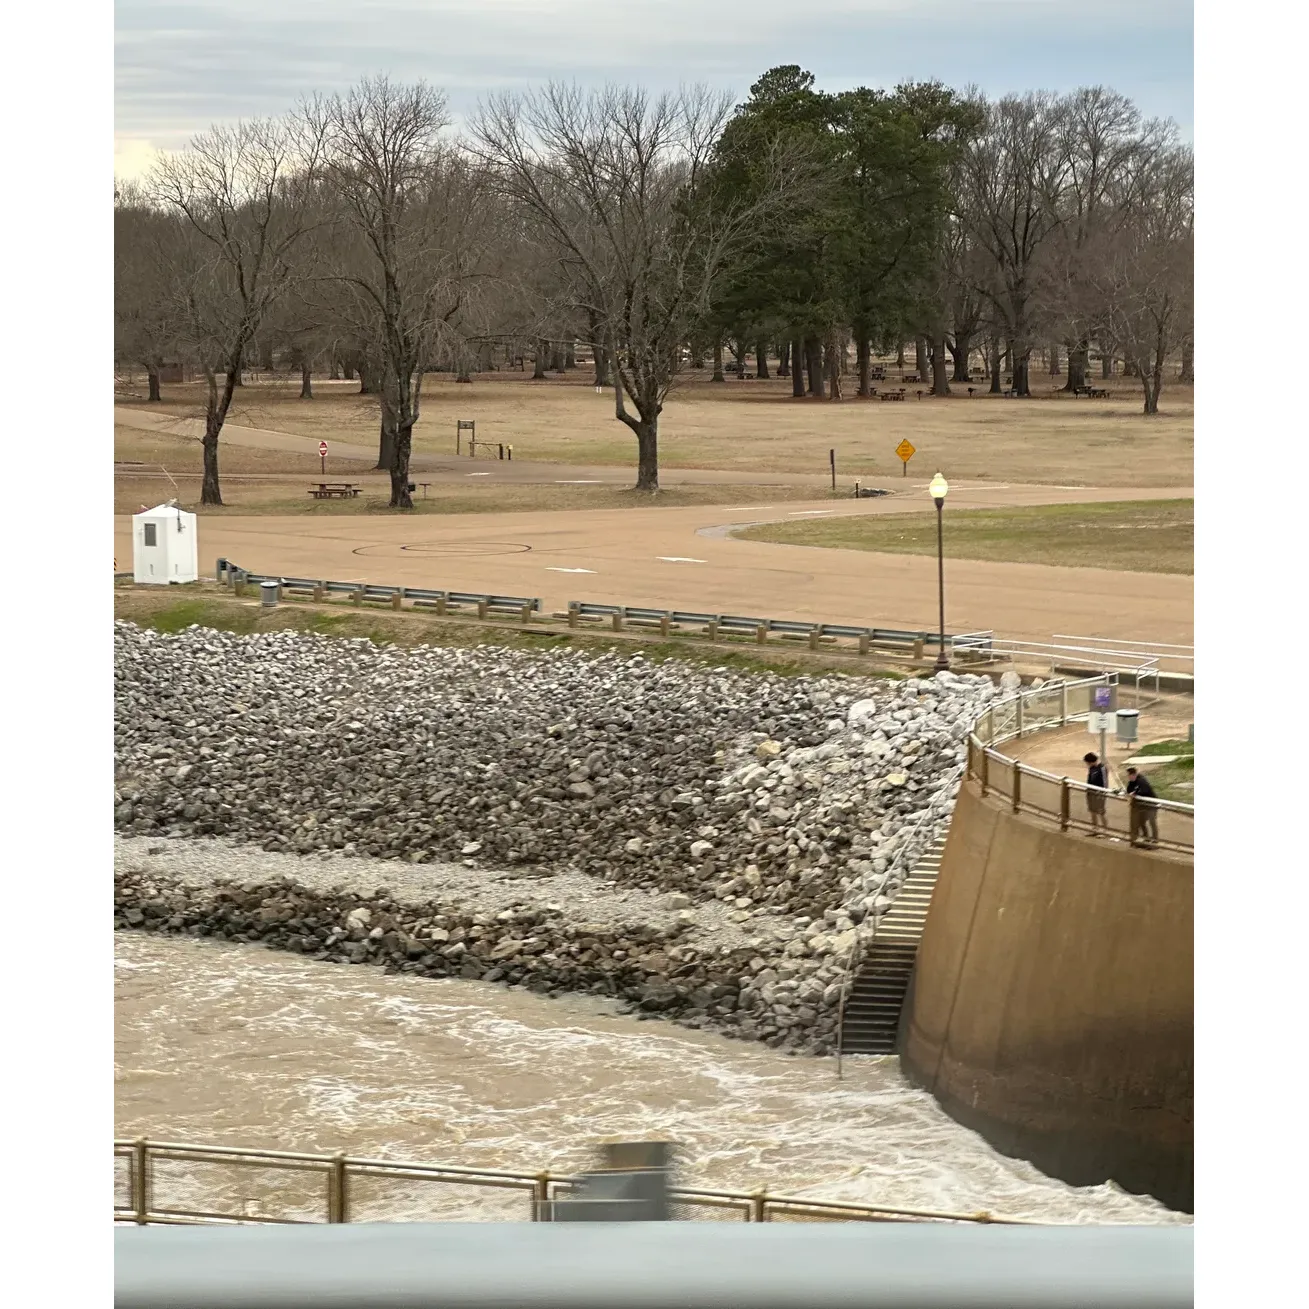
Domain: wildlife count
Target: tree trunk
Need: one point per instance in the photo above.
(833, 361)
(863, 349)
(385, 447)
(959, 351)
(306, 382)
(797, 368)
(348, 372)
(761, 360)
(718, 360)
(697, 355)
(784, 359)
(899, 355)
(1078, 356)
(556, 359)
(920, 357)
(940, 366)
(601, 365)
(266, 357)
(152, 377)
(813, 354)
(1187, 374)
(1107, 365)
(404, 440)
(538, 361)
(217, 405)
(334, 369)
(370, 377)
(993, 353)
(647, 464)
(570, 355)
(1022, 368)
(1054, 359)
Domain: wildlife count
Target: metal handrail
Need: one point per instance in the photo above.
(983, 738)
(855, 957)
(753, 1206)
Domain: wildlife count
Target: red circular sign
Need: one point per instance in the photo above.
(322, 447)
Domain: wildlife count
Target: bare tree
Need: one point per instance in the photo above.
(246, 193)
(408, 209)
(619, 183)
(1144, 275)
(146, 320)
(1014, 172)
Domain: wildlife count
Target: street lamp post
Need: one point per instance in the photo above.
(938, 489)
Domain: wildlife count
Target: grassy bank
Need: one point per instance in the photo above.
(1138, 536)
(176, 608)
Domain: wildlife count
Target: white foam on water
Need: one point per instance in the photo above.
(231, 1044)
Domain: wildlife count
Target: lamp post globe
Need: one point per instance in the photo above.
(938, 489)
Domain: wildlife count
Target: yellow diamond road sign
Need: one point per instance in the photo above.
(905, 450)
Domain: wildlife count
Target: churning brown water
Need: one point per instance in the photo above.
(237, 1045)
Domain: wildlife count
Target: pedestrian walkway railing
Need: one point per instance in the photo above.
(158, 1182)
(1165, 824)
(1138, 667)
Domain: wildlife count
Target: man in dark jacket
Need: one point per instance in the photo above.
(1145, 812)
(1098, 781)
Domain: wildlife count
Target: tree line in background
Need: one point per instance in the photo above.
(355, 235)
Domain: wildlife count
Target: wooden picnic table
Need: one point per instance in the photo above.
(1091, 392)
(333, 490)
(891, 395)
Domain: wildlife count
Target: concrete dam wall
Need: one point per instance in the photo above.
(1051, 1008)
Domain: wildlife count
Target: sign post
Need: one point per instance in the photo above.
(322, 457)
(906, 450)
(831, 454)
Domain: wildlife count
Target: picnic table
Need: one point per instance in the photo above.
(333, 490)
(891, 395)
(1091, 392)
(912, 377)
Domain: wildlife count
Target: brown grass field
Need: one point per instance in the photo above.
(755, 426)
(1137, 536)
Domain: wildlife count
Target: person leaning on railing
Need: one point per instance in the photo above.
(1145, 808)
(1098, 783)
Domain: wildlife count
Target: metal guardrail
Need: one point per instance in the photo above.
(1061, 799)
(655, 1265)
(165, 1183)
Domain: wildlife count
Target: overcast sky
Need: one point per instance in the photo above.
(181, 66)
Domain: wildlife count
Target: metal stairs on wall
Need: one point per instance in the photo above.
(872, 1008)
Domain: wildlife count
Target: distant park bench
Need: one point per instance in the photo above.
(333, 490)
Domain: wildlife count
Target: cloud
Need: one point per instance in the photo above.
(181, 67)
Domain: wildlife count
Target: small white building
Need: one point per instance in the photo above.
(164, 547)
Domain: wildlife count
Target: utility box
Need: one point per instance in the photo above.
(164, 547)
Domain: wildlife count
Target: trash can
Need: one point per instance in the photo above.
(269, 593)
(1128, 726)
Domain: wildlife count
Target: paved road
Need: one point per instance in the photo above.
(683, 558)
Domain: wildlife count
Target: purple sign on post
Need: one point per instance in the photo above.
(1102, 695)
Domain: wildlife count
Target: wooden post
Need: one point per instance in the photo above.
(815, 635)
(665, 623)
(357, 597)
(441, 606)
(482, 606)
(918, 650)
(760, 634)
(617, 621)
(397, 599)
(338, 1205)
(141, 1180)
(1065, 805)
(712, 630)
(526, 614)
(831, 454)
(1018, 785)
(863, 643)
(318, 591)
(572, 614)
(984, 773)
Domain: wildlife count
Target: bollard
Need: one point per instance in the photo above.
(760, 634)
(357, 597)
(712, 630)
(918, 650)
(525, 614)
(572, 614)
(863, 642)
(482, 606)
(617, 620)
(815, 634)
(440, 606)
(318, 591)
(664, 624)
(511, 453)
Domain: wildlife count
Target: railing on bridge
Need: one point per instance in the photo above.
(1062, 799)
(166, 1183)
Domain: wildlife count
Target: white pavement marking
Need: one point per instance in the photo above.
(551, 569)
(807, 513)
(477, 474)
(678, 559)
(579, 481)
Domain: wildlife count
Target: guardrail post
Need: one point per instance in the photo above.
(140, 1181)
(711, 631)
(985, 770)
(397, 599)
(318, 592)
(1065, 805)
(338, 1208)
(617, 621)
(357, 597)
(863, 643)
(918, 650)
(815, 635)
(481, 608)
(664, 624)
(760, 634)
(526, 614)
(541, 1198)
(441, 603)
(572, 614)
(759, 1207)
(1018, 785)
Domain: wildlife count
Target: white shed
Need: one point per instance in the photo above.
(164, 546)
